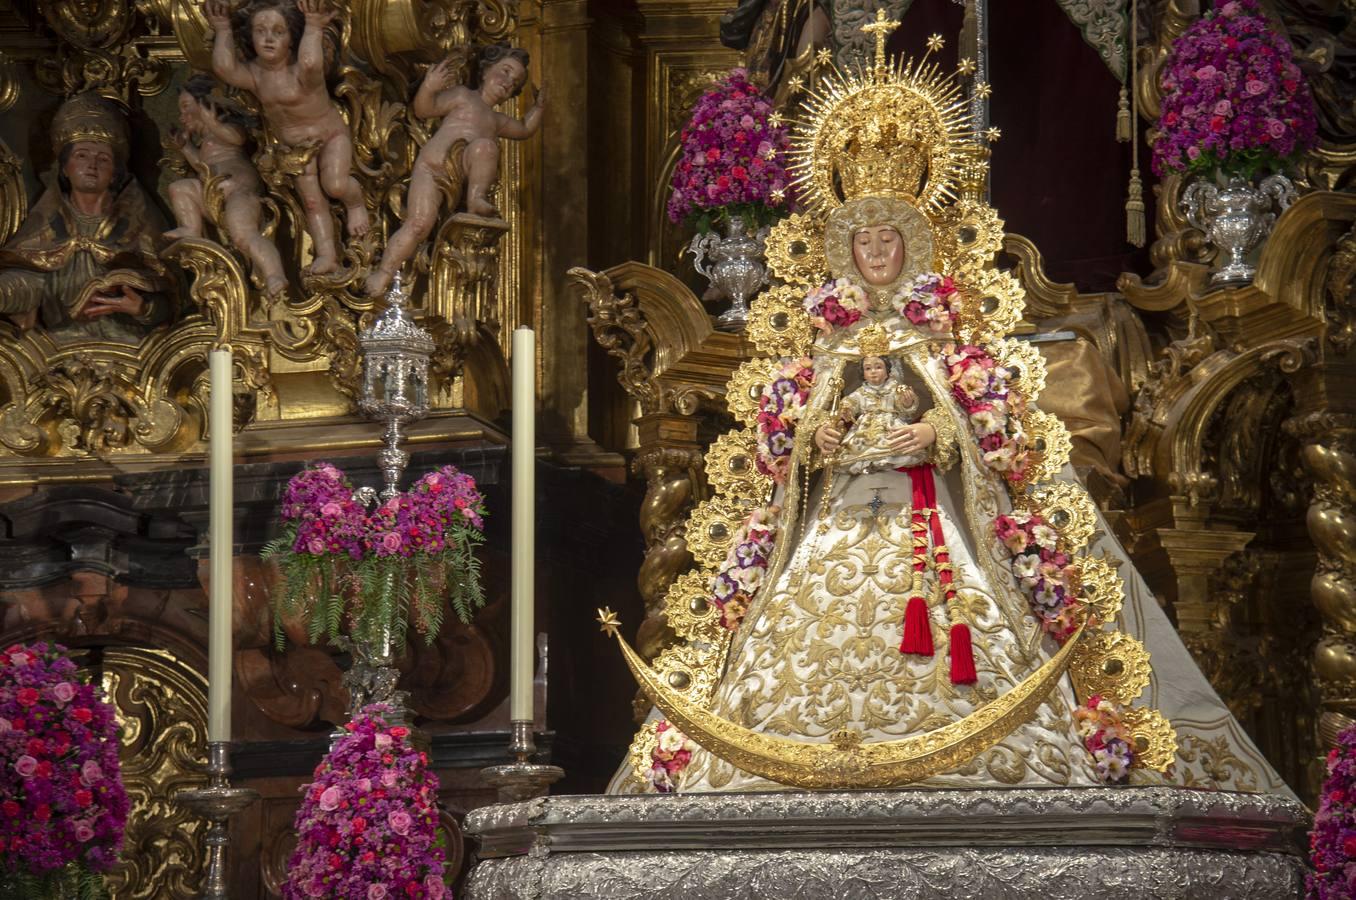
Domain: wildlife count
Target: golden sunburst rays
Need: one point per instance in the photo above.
(892, 129)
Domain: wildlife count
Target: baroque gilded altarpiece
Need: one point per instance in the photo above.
(102, 458)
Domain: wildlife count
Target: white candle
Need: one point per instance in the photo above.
(524, 445)
(222, 548)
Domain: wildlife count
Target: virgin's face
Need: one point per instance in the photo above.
(878, 251)
(874, 370)
(272, 40)
(501, 80)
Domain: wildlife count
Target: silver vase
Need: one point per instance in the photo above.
(1236, 218)
(733, 263)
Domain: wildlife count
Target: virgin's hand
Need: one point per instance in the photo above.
(913, 438)
(827, 438)
(218, 13)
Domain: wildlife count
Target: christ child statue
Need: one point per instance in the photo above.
(873, 413)
(283, 46)
(213, 142)
(466, 145)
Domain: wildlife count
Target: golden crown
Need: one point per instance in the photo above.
(887, 131)
(873, 340)
(89, 117)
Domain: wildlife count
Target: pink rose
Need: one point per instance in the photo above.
(1193, 152)
(83, 832)
(26, 766)
(400, 822)
(1255, 87)
(90, 773)
(434, 887)
(389, 778)
(20, 659)
(376, 892)
(382, 741)
(5, 725)
(64, 692)
(329, 798)
(331, 510)
(1230, 9)
(391, 541)
(316, 546)
(1223, 108)
(1275, 128)
(1205, 73)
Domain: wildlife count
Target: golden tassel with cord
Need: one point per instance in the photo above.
(1123, 117)
(1136, 230)
(1134, 211)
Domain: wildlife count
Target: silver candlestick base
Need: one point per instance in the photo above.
(217, 803)
(522, 780)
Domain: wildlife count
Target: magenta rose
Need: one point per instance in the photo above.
(64, 692)
(329, 799)
(400, 822)
(26, 766)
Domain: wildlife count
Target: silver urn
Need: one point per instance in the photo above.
(733, 263)
(1236, 217)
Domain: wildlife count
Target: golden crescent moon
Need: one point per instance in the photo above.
(846, 762)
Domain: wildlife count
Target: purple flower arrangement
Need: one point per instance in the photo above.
(63, 808)
(734, 586)
(731, 159)
(927, 302)
(1233, 99)
(1332, 843)
(367, 827)
(399, 563)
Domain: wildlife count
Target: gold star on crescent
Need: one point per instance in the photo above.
(993, 134)
(936, 42)
(967, 66)
(608, 619)
(795, 83)
(775, 120)
(824, 57)
(983, 90)
(778, 195)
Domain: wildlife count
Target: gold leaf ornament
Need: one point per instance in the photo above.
(778, 323)
(1049, 442)
(795, 250)
(1069, 510)
(711, 529)
(746, 387)
(1152, 737)
(1100, 588)
(731, 469)
(1111, 664)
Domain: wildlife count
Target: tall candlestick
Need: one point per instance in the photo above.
(524, 524)
(222, 548)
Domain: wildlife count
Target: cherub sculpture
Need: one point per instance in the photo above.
(213, 142)
(465, 146)
(283, 46)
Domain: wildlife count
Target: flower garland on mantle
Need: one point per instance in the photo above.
(671, 755)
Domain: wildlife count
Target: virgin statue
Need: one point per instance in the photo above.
(900, 580)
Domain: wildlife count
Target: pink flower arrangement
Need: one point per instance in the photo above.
(927, 302)
(836, 304)
(994, 408)
(1099, 723)
(731, 159)
(741, 575)
(669, 758)
(1041, 570)
(779, 409)
(1233, 99)
(1332, 843)
(400, 562)
(367, 827)
(63, 808)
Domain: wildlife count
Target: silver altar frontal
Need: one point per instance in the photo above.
(1053, 844)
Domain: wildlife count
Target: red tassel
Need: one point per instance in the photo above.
(962, 655)
(917, 629)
